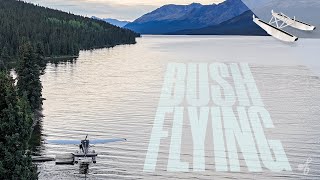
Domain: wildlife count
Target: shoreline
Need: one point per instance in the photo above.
(62, 57)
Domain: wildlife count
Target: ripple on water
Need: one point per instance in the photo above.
(114, 93)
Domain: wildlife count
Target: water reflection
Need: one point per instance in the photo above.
(62, 60)
(114, 93)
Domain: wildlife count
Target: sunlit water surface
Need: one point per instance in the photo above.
(114, 93)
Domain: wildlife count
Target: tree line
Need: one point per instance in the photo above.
(20, 99)
(28, 34)
(54, 32)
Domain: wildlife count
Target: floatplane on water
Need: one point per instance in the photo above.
(278, 22)
(84, 156)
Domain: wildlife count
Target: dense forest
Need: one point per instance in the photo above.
(29, 34)
(19, 104)
(16, 119)
(54, 32)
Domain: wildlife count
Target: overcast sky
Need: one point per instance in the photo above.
(119, 9)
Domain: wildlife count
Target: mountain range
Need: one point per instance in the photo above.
(239, 25)
(114, 22)
(174, 18)
(231, 17)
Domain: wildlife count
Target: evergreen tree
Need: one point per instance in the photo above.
(28, 76)
(15, 124)
(55, 33)
(5, 54)
(49, 33)
(4, 57)
(2, 65)
(40, 56)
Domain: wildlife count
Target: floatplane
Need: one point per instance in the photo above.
(278, 22)
(84, 156)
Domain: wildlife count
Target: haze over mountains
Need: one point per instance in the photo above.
(172, 18)
(239, 25)
(114, 22)
(231, 17)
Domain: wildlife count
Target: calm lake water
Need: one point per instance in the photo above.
(114, 93)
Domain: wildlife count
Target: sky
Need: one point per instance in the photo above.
(118, 9)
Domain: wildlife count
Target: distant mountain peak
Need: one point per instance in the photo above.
(195, 4)
(169, 12)
(112, 21)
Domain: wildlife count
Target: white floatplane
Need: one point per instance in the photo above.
(85, 155)
(278, 22)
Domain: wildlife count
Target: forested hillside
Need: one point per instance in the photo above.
(53, 32)
(28, 34)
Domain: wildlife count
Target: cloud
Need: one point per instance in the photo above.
(121, 9)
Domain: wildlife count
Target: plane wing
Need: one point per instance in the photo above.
(94, 141)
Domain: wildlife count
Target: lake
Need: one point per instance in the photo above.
(122, 92)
